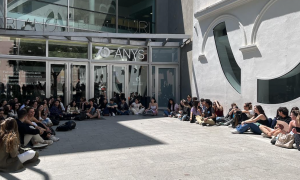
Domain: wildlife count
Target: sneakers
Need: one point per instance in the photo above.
(197, 122)
(235, 131)
(113, 114)
(39, 145)
(48, 142)
(273, 140)
(264, 135)
(204, 124)
(53, 138)
(295, 146)
(34, 159)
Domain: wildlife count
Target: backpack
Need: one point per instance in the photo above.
(82, 116)
(67, 126)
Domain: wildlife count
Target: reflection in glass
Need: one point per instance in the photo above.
(100, 81)
(280, 90)
(58, 81)
(68, 49)
(78, 79)
(153, 81)
(30, 15)
(136, 16)
(138, 81)
(118, 84)
(230, 68)
(104, 6)
(1, 14)
(165, 54)
(166, 86)
(22, 46)
(22, 79)
(117, 53)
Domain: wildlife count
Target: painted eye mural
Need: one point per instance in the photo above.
(280, 90)
(231, 69)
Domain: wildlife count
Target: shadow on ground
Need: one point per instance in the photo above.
(103, 134)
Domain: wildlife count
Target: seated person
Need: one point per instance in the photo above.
(189, 100)
(1, 115)
(103, 107)
(153, 107)
(218, 109)
(282, 115)
(40, 116)
(259, 119)
(123, 108)
(137, 108)
(242, 115)
(10, 158)
(229, 117)
(82, 103)
(31, 120)
(112, 107)
(25, 104)
(29, 133)
(294, 126)
(72, 110)
(195, 111)
(186, 111)
(14, 110)
(61, 104)
(180, 109)
(93, 111)
(56, 110)
(209, 117)
(172, 108)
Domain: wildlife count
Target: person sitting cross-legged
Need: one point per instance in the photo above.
(209, 115)
(92, 112)
(137, 108)
(123, 108)
(112, 107)
(258, 119)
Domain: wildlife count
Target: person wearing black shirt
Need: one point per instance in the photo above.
(123, 108)
(209, 115)
(282, 115)
(27, 132)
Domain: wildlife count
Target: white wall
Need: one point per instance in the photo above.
(278, 38)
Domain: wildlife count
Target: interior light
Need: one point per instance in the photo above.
(150, 13)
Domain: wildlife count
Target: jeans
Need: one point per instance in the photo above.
(243, 128)
(112, 110)
(123, 113)
(167, 113)
(220, 119)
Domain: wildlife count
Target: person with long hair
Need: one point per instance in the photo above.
(72, 109)
(294, 126)
(218, 110)
(41, 116)
(136, 107)
(172, 108)
(14, 110)
(10, 159)
(258, 119)
(209, 116)
(153, 107)
(195, 111)
(56, 110)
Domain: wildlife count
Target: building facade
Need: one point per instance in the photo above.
(89, 48)
(247, 51)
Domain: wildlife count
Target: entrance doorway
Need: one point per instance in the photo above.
(68, 81)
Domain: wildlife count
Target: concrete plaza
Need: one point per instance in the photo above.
(137, 147)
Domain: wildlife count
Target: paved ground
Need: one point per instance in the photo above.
(135, 147)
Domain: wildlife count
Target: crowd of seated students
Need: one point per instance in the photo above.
(242, 120)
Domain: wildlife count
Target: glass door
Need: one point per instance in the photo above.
(166, 85)
(119, 82)
(100, 85)
(68, 81)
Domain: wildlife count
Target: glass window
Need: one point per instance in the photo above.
(136, 16)
(68, 49)
(138, 83)
(93, 21)
(153, 81)
(165, 54)
(104, 6)
(118, 83)
(22, 79)
(230, 68)
(30, 15)
(22, 46)
(1, 14)
(100, 81)
(117, 53)
(280, 90)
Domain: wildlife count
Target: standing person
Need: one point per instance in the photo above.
(259, 119)
(172, 110)
(137, 108)
(10, 158)
(153, 107)
(112, 107)
(195, 111)
(123, 108)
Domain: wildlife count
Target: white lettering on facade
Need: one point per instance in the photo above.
(104, 52)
